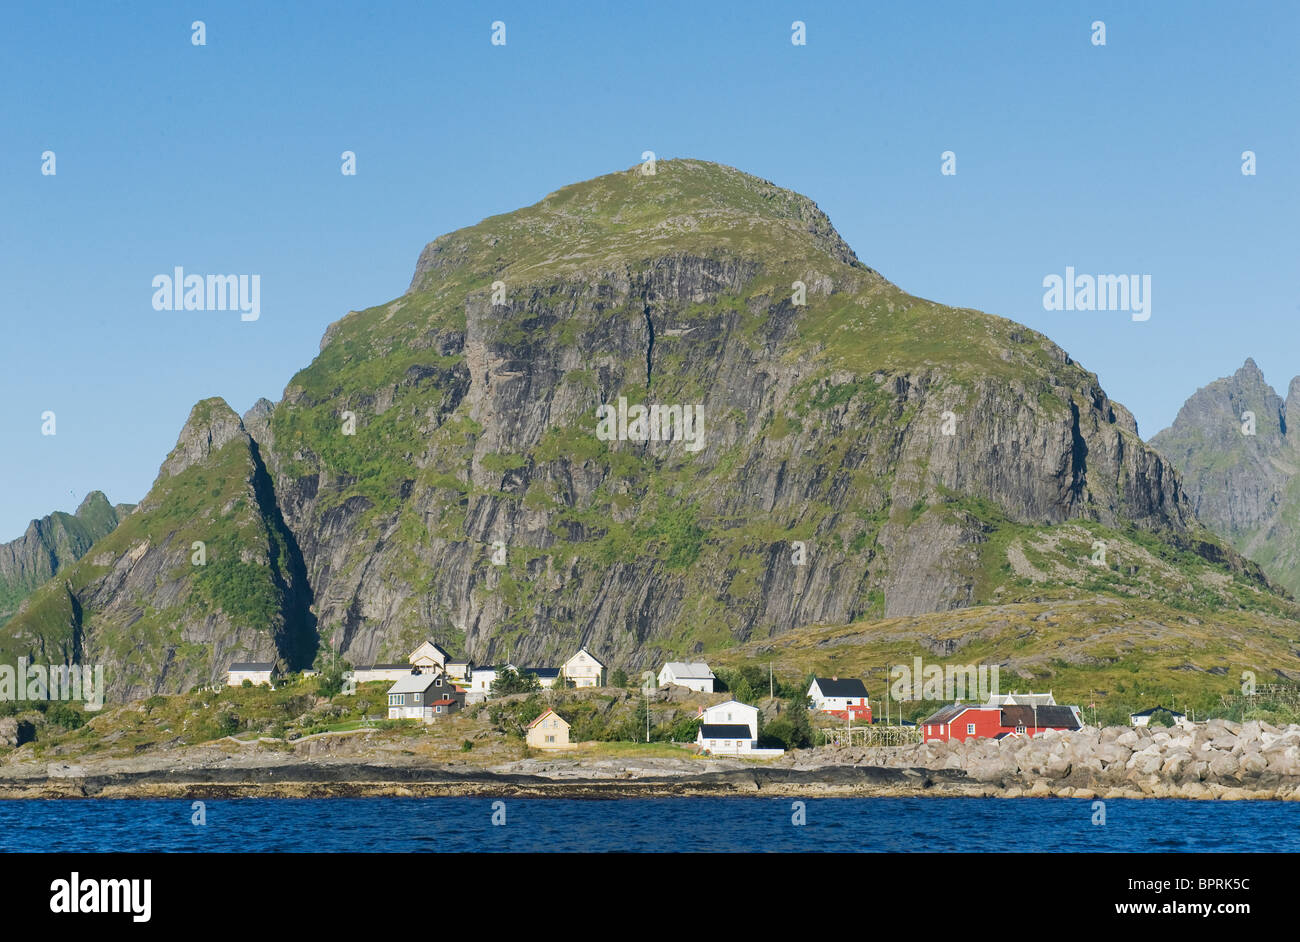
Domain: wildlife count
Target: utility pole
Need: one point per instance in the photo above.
(771, 686)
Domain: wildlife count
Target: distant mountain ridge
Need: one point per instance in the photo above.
(1244, 482)
(52, 543)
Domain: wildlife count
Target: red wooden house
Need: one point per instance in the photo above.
(962, 721)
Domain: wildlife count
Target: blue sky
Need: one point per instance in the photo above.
(225, 158)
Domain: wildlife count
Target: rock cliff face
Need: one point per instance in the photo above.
(439, 469)
(1239, 458)
(50, 544)
(202, 574)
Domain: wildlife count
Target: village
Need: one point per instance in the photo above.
(432, 684)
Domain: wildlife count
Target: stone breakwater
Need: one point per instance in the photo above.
(1216, 759)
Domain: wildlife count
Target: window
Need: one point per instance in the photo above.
(438, 682)
(437, 709)
(1020, 730)
(397, 699)
(417, 699)
(970, 729)
(550, 739)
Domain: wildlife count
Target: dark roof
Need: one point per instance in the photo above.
(384, 667)
(949, 713)
(1157, 709)
(541, 671)
(726, 731)
(843, 687)
(252, 665)
(1060, 717)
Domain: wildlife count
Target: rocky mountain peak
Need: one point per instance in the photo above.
(630, 216)
(212, 424)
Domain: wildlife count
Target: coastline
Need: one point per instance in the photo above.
(354, 780)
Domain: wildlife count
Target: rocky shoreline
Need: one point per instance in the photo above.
(1216, 760)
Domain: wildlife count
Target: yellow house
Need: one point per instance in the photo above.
(548, 731)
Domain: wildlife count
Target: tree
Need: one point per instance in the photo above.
(508, 681)
(618, 678)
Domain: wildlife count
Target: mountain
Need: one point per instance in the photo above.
(1242, 480)
(201, 574)
(50, 544)
(441, 470)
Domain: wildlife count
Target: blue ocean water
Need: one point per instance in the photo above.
(450, 825)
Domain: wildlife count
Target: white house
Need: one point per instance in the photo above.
(460, 670)
(480, 686)
(732, 712)
(694, 675)
(842, 697)
(729, 739)
(584, 670)
(258, 672)
(429, 654)
(1144, 718)
(547, 677)
(367, 673)
(423, 696)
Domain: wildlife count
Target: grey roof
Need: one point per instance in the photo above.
(949, 713)
(414, 683)
(690, 669)
(726, 731)
(541, 672)
(252, 666)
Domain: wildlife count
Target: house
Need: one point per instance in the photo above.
(460, 670)
(548, 677)
(730, 728)
(480, 687)
(962, 721)
(731, 739)
(583, 670)
(694, 675)
(1144, 718)
(846, 698)
(390, 672)
(548, 731)
(732, 712)
(258, 672)
(423, 696)
(429, 654)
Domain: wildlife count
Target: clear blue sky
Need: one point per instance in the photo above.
(225, 158)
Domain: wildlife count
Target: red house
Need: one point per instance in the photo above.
(962, 721)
